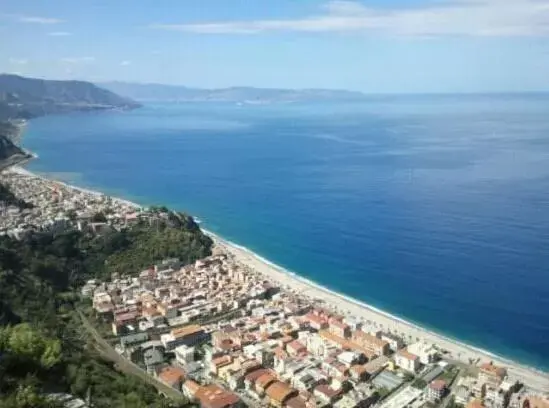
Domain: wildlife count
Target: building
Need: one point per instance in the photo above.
(395, 342)
(316, 322)
(190, 388)
(426, 352)
(326, 394)
(295, 348)
(213, 396)
(371, 343)
(436, 390)
(462, 395)
(153, 357)
(188, 336)
(387, 380)
(134, 338)
(172, 377)
(184, 354)
(340, 329)
(279, 392)
(476, 403)
(374, 366)
(491, 374)
(407, 361)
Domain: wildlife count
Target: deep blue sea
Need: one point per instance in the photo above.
(435, 209)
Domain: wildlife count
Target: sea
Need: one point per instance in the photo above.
(432, 208)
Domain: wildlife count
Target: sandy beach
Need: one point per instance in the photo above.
(536, 379)
(347, 305)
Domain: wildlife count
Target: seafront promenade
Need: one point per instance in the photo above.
(284, 324)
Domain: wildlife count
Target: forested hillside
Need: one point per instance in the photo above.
(42, 346)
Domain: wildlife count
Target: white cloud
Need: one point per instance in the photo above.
(125, 63)
(59, 34)
(39, 20)
(443, 18)
(18, 61)
(78, 60)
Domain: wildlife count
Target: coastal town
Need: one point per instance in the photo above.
(230, 331)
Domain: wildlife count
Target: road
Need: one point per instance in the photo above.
(125, 365)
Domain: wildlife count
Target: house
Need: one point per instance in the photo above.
(189, 336)
(374, 366)
(395, 342)
(358, 372)
(326, 394)
(491, 374)
(263, 382)
(295, 348)
(279, 392)
(340, 329)
(316, 322)
(122, 320)
(172, 376)
(252, 376)
(436, 390)
(213, 396)
(407, 361)
(218, 363)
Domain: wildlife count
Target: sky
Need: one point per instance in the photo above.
(374, 46)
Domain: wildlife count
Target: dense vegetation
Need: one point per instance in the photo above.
(42, 346)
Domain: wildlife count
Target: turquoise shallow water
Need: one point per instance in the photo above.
(432, 208)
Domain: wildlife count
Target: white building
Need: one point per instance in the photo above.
(184, 354)
(426, 352)
(407, 361)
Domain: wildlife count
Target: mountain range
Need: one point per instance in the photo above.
(159, 92)
(25, 98)
(22, 97)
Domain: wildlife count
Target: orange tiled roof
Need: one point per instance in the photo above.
(406, 354)
(171, 375)
(186, 331)
(279, 391)
(192, 386)
(213, 396)
(475, 404)
(265, 379)
(491, 369)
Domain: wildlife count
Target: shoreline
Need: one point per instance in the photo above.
(532, 376)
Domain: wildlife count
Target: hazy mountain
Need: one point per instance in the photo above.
(159, 92)
(22, 97)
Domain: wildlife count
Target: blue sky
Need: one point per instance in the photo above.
(374, 46)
